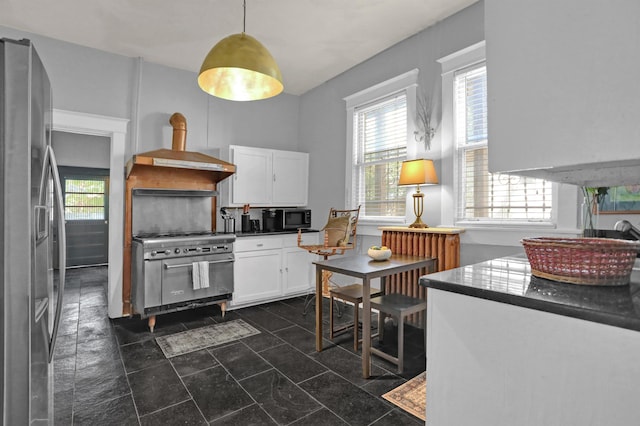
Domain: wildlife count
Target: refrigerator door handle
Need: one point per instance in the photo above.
(41, 307)
(62, 244)
(41, 216)
(41, 210)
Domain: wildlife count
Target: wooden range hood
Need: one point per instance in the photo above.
(171, 169)
(177, 157)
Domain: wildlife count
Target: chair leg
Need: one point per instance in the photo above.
(356, 309)
(400, 343)
(331, 317)
(309, 299)
(337, 306)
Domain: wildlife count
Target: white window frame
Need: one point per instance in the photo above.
(405, 82)
(462, 59)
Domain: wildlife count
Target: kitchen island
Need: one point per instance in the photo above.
(506, 348)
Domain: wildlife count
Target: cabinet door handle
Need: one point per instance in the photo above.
(259, 245)
(274, 177)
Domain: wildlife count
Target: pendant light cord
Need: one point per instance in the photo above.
(244, 16)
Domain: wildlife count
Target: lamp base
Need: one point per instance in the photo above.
(418, 202)
(418, 224)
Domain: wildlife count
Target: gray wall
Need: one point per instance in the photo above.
(323, 123)
(92, 81)
(81, 150)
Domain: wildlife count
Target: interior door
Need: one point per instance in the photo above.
(86, 211)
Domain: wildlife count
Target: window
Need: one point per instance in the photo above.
(378, 121)
(84, 198)
(484, 196)
(380, 148)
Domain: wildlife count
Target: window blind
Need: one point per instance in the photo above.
(483, 195)
(380, 147)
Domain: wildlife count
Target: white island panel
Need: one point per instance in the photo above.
(491, 363)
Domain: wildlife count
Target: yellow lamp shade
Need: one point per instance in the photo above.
(418, 172)
(240, 68)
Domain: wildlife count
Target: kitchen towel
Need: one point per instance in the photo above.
(195, 275)
(204, 274)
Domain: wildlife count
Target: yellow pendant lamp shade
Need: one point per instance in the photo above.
(240, 68)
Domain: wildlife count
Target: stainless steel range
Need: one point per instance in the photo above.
(172, 272)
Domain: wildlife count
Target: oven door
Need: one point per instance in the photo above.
(177, 278)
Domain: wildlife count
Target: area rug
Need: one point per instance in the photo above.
(411, 396)
(204, 337)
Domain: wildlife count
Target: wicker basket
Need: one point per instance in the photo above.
(590, 261)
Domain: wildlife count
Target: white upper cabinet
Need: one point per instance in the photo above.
(564, 89)
(268, 177)
(251, 184)
(290, 178)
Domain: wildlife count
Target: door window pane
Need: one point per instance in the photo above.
(84, 199)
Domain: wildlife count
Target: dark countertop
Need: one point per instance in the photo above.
(509, 280)
(260, 233)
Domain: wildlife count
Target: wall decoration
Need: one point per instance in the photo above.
(424, 132)
(621, 199)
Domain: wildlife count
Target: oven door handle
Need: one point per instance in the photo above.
(184, 265)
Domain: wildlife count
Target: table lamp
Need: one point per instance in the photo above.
(418, 172)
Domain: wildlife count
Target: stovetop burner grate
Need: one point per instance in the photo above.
(152, 235)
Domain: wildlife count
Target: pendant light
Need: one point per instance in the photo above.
(240, 68)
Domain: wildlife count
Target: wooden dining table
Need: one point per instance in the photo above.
(363, 267)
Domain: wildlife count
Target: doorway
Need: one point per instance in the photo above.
(85, 193)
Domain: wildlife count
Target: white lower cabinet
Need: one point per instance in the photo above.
(298, 271)
(257, 276)
(271, 267)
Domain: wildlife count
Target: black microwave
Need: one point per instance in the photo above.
(293, 218)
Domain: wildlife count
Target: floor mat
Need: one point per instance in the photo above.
(411, 396)
(204, 337)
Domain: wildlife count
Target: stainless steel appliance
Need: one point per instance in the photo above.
(177, 263)
(166, 271)
(31, 202)
(293, 218)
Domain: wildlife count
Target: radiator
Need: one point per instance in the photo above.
(441, 243)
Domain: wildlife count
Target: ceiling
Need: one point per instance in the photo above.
(312, 40)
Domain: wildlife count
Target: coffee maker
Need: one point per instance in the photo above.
(269, 220)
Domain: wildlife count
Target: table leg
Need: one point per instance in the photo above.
(366, 328)
(318, 308)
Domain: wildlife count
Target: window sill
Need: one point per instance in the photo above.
(510, 235)
(477, 224)
(370, 226)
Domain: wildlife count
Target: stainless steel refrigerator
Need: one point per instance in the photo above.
(30, 209)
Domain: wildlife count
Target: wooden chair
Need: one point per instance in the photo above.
(398, 306)
(336, 241)
(350, 293)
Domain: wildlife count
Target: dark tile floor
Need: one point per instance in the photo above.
(112, 372)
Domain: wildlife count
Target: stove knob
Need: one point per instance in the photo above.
(186, 250)
(198, 249)
(177, 251)
(167, 252)
(153, 253)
